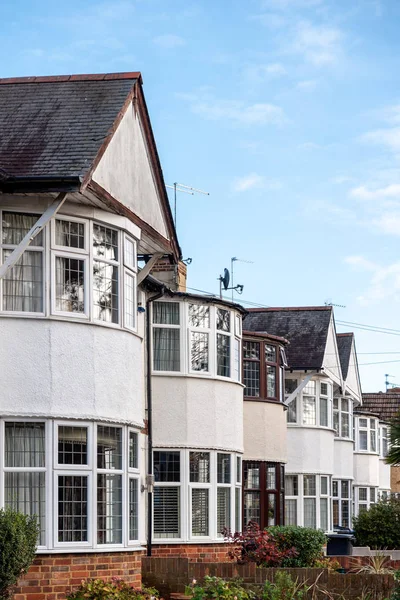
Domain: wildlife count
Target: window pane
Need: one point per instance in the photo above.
(199, 316)
(363, 440)
(363, 422)
(309, 389)
(238, 526)
(166, 512)
(109, 509)
(271, 382)
(323, 412)
(271, 478)
(24, 444)
(17, 225)
(130, 254)
(291, 512)
(251, 475)
(223, 319)
(309, 412)
(345, 417)
(105, 292)
(335, 513)
(223, 355)
(72, 445)
(72, 508)
(166, 313)
(251, 350)
(251, 378)
(23, 283)
(373, 441)
(236, 360)
(238, 469)
(109, 447)
(309, 485)
(70, 284)
(105, 242)
(345, 487)
(133, 509)
(70, 234)
(270, 353)
(251, 507)
(167, 466)
(166, 349)
(133, 450)
(362, 494)
(199, 351)
(291, 485)
(324, 514)
(345, 405)
(199, 512)
(223, 468)
(290, 386)
(223, 509)
(336, 422)
(310, 517)
(130, 296)
(271, 509)
(324, 486)
(292, 411)
(345, 513)
(26, 493)
(200, 467)
(372, 494)
(324, 389)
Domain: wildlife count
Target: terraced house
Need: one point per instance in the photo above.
(135, 416)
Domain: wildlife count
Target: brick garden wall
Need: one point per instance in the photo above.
(209, 553)
(53, 575)
(171, 575)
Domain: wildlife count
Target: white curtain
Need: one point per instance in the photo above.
(166, 353)
(23, 284)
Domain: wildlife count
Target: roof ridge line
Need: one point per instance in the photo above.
(288, 308)
(73, 77)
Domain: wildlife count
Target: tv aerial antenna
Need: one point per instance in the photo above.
(184, 189)
(330, 303)
(242, 260)
(224, 281)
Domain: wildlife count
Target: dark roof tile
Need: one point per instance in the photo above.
(344, 342)
(384, 404)
(305, 328)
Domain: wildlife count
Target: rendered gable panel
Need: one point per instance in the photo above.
(125, 172)
(331, 357)
(352, 380)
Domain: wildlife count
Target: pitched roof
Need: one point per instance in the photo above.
(306, 328)
(55, 126)
(344, 342)
(384, 404)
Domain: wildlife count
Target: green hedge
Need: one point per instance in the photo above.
(307, 542)
(18, 541)
(379, 527)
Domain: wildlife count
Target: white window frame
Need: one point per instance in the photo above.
(90, 434)
(368, 502)
(132, 473)
(11, 247)
(90, 508)
(85, 315)
(383, 435)
(68, 249)
(129, 270)
(182, 501)
(368, 429)
(340, 499)
(181, 327)
(113, 263)
(205, 486)
(207, 330)
(229, 334)
(316, 397)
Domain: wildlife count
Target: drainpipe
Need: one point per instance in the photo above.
(150, 422)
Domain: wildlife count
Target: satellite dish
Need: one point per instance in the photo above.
(225, 279)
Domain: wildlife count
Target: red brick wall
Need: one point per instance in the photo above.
(53, 575)
(194, 552)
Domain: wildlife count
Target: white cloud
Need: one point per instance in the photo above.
(365, 193)
(384, 283)
(341, 179)
(260, 73)
(384, 137)
(308, 85)
(319, 45)
(169, 40)
(238, 112)
(388, 222)
(254, 181)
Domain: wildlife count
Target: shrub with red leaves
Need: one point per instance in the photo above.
(256, 545)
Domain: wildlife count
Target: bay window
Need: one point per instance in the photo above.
(364, 497)
(307, 501)
(263, 493)
(342, 417)
(261, 368)
(80, 260)
(85, 472)
(312, 406)
(367, 434)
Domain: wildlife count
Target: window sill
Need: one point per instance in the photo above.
(206, 376)
(265, 400)
(90, 549)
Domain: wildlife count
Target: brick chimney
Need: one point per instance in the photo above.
(173, 275)
(394, 390)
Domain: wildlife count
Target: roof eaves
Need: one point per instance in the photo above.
(77, 77)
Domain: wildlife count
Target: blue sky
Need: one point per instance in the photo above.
(286, 111)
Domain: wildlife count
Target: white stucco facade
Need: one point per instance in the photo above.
(366, 469)
(384, 475)
(343, 459)
(265, 436)
(310, 450)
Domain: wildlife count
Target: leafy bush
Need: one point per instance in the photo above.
(259, 546)
(116, 589)
(308, 544)
(379, 527)
(216, 588)
(18, 540)
(284, 588)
